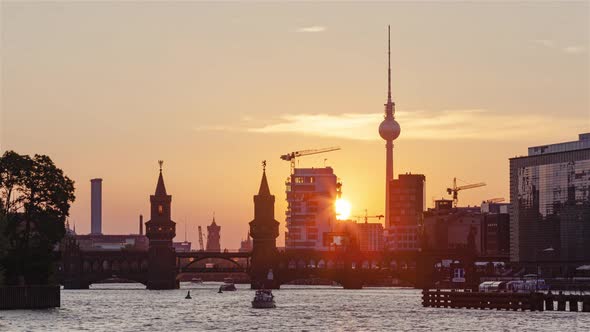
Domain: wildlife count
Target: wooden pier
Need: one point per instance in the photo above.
(505, 301)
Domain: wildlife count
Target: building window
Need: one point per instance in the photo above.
(160, 209)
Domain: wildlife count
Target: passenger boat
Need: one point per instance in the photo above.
(228, 285)
(263, 299)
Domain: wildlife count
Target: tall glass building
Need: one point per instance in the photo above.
(550, 205)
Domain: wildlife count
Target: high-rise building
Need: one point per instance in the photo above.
(311, 213)
(550, 204)
(407, 205)
(389, 130)
(96, 206)
(213, 237)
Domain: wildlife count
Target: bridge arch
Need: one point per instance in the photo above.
(203, 258)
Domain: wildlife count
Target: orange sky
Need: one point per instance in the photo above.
(107, 89)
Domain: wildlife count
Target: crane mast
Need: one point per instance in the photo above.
(201, 239)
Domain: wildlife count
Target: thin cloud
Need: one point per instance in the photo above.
(573, 49)
(475, 124)
(424, 125)
(217, 128)
(544, 42)
(315, 28)
(548, 43)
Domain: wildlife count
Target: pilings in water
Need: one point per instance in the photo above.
(503, 300)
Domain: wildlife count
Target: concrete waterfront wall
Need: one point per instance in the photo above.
(29, 297)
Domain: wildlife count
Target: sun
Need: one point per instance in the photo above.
(342, 209)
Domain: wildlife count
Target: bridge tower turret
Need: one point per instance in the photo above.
(264, 230)
(160, 230)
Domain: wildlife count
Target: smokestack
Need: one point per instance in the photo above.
(140, 224)
(96, 206)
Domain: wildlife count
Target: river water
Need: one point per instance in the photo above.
(129, 307)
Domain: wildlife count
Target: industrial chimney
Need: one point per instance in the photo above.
(141, 224)
(96, 206)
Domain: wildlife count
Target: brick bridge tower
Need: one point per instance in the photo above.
(213, 237)
(264, 230)
(160, 230)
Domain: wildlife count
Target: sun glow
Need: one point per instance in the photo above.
(342, 209)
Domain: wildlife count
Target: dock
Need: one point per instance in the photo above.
(536, 301)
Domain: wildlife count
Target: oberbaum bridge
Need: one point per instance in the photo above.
(161, 267)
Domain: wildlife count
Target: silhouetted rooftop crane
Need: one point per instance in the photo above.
(367, 216)
(202, 248)
(292, 155)
(455, 190)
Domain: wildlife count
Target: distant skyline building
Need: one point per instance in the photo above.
(446, 227)
(550, 204)
(389, 130)
(213, 237)
(352, 235)
(495, 229)
(246, 245)
(407, 203)
(311, 213)
(96, 206)
(112, 242)
(370, 236)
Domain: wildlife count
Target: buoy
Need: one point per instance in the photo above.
(188, 295)
(219, 291)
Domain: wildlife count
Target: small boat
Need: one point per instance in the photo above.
(197, 280)
(264, 299)
(228, 285)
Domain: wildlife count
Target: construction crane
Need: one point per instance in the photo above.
(292, 155)
(455, 190)
(367, 216)
(201, 239)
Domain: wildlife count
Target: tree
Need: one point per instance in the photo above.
(35, 198)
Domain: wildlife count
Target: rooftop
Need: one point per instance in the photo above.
(583, 142)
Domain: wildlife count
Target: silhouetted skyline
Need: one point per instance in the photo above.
(107, 89)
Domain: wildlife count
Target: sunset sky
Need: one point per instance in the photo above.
(107, 89)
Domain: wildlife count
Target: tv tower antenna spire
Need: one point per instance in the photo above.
(389, 130)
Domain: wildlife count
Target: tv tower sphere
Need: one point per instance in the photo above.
(389, 129)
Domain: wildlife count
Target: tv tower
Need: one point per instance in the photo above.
(389, 130)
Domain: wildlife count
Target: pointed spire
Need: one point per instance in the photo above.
(160, 187)
(264, 191)
(213, 223)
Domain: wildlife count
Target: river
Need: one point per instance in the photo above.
(129, 307)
